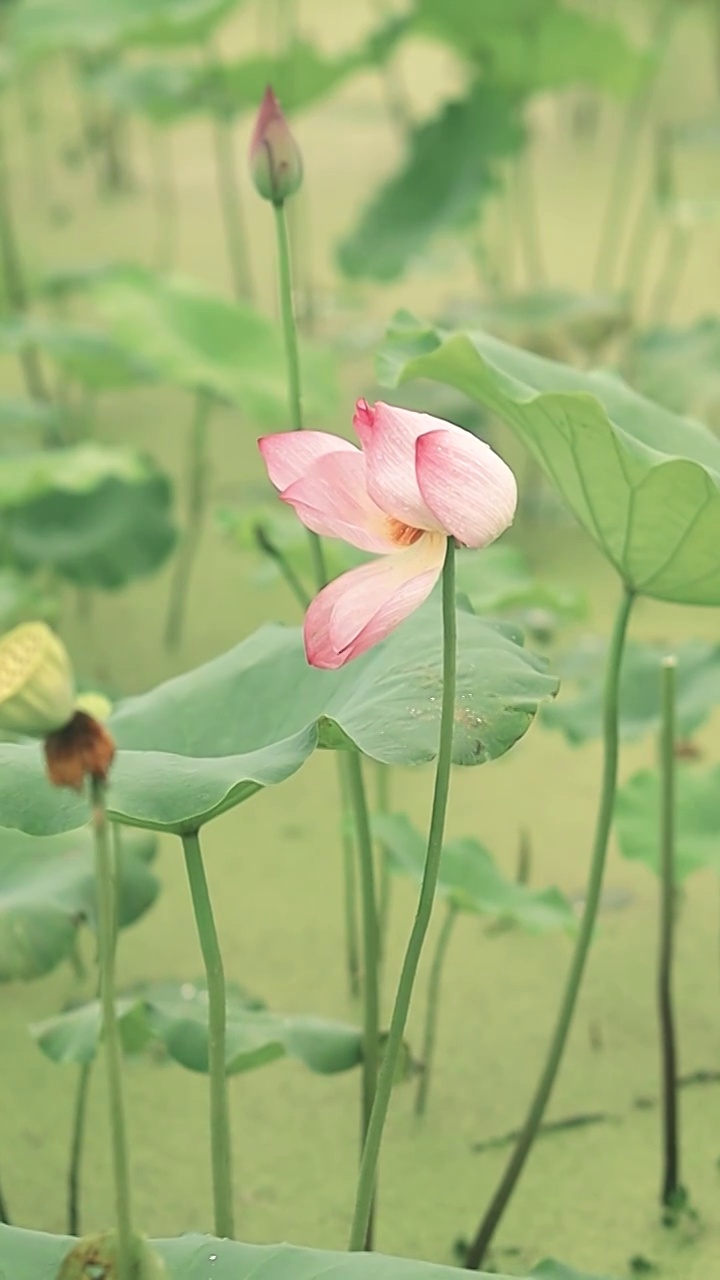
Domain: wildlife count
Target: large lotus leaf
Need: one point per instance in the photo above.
(89, 356)
(203, 342)
(501, 579)
(579, 717)
(552, 1270)
(299, 77)
(680, 368)
(550, 322)
(643, 482)
(536, 44)
(697, 817)
(47, 889)
(164, 92)
(453, 164)
(32, 1255)
(19, 413)
(95, 515)
(41, 27)
(27, 599)
(202, 743)
(175, 1016)
(470, 879)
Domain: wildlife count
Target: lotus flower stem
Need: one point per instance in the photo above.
(382, 805)
(431, 1012)
(348, 825)
(165, 197)
(220, 1139)
(624, 168)
(107, 934)
(668, 1052)
(669, 281)
(14, 281)
(371, 1010)
(394, 1044)
(196, 482)
(232, 210)
(76, 1148)
(529, 1131)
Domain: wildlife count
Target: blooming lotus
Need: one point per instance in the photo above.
(415, 482)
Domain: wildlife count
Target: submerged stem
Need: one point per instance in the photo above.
(668, 1049)
(431, 1012)
(528, 1133)
(393, 1046)
(106, 897)
(196, 476)
(220, 1142)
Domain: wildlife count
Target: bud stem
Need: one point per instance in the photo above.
(232, 210)
(293, 360)
(107, 934)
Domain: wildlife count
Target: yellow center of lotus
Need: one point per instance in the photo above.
(20, 653)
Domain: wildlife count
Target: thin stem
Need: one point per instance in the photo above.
(277, 555)
(382, 805)
(105, 882)
(431, 1011)
(4, 1211)
(347, 827)
(524, 858)
(625, 160)
(545, 1084)
(371, 1012)
(671, 274)
(668, 1051)
(76, 1148)
(221, 1150)
(641, 243)
(196, 477)
(393, 1046)
(165, 197)
(232, 210)
(14, 280)
(292, 357)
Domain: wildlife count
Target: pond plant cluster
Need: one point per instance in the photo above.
(412, 647)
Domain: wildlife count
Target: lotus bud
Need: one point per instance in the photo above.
(275, 160)
(37, 689)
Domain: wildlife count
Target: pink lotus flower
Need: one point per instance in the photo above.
(416, 482)
(275, 160)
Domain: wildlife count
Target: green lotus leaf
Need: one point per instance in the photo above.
(47, 890)
(470, 879)
(96, 515)
(550, 322)
(26, 599)
(500, 580)
(579, 717)
(38, 28)
(299, 78)
(552, 1270)
(163, 92)
(198, 745)
(196, 340)
(643, 482)
(32, 1255)
(453, 164)
(89, 356)
(537, 44)
(175, 1016)
(17, 412)
(697, 818)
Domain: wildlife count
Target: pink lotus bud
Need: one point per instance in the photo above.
(275, 160)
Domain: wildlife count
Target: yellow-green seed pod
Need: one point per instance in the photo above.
(95, 705)
(37, 688)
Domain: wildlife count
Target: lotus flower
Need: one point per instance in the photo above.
(416, 481)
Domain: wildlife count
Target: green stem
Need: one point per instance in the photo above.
(393, 1046)
(382, 805)
(105, 882)
(220, 1141)
(668, 1051)
(545, 1084)
(196, 477)
(76, 1148)
(524, 858)
(4, 1211)
(431, 1012)
(292, 358)
(14, 281)
(625, 160)
(352, 946)
(165, 198)
(275, 553)
(671, 274)
(371, 1010)
(232, 210)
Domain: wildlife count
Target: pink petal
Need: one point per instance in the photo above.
(471, 492)
(363, 606)
(288, 454)
(331, 498)
(388, 437)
